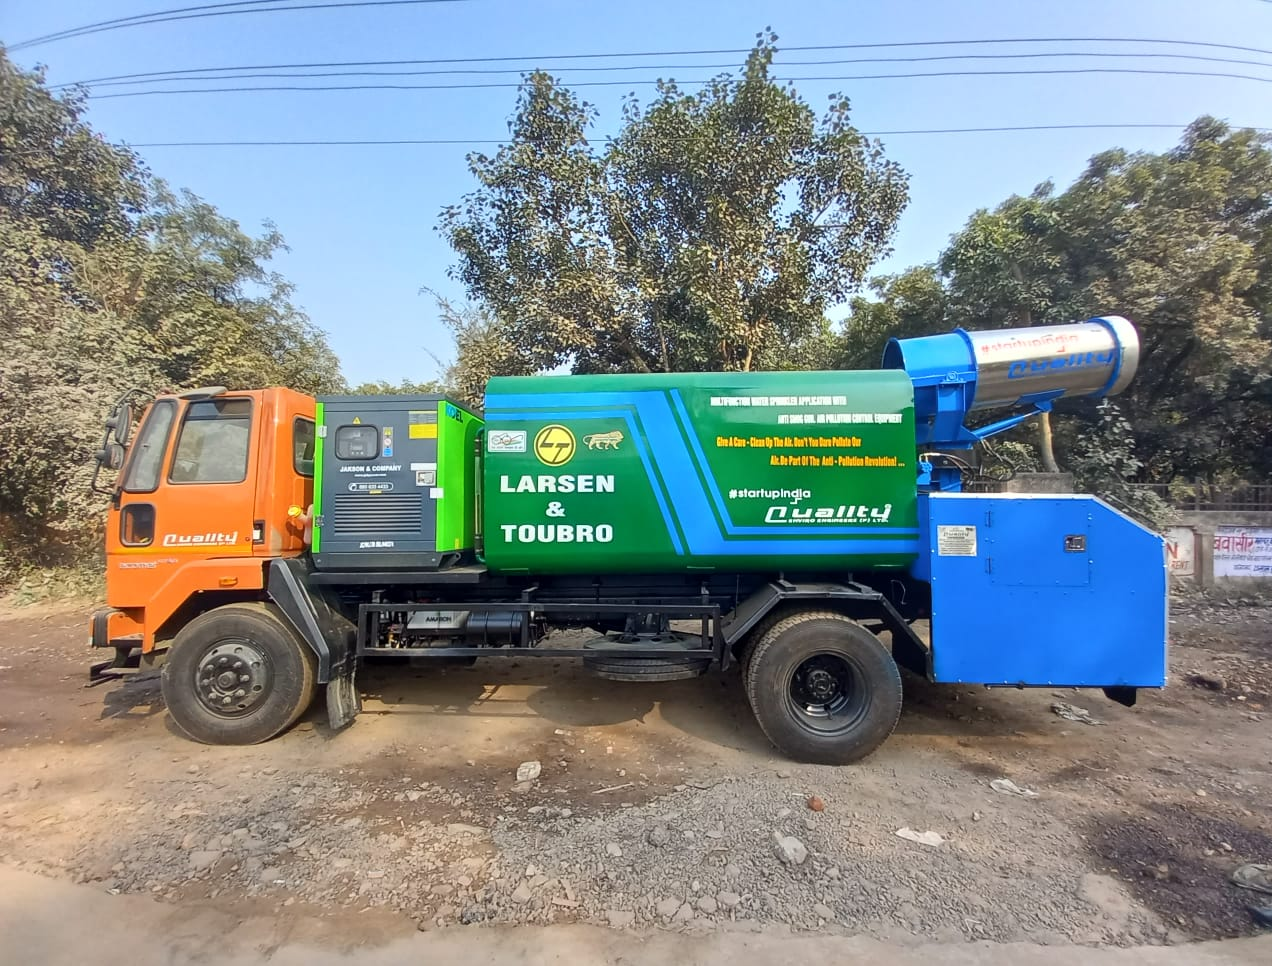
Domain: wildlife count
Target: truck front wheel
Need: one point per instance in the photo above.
(823, 688)
(238, 675)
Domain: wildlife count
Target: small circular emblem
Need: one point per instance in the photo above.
(554, 445)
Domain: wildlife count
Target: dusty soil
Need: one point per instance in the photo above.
(658, 805)
(47, 920)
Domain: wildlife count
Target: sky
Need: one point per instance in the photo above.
(361, 221)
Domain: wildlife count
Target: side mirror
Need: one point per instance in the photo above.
(110, 456)
(120, 422)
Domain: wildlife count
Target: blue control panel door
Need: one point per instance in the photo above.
(1043, 590)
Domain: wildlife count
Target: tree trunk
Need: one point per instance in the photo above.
(1046, 452)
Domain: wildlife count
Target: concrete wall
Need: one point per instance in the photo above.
(1039, 483)
(1240, 539)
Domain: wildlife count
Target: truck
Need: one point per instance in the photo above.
(812, 530)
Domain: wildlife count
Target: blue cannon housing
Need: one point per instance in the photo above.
(959, 372)
(1030, 589)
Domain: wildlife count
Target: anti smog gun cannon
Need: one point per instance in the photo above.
(262, 543)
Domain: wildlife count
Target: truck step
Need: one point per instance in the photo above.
(126, 662)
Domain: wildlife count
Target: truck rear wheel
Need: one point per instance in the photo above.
(823, 688)
(238, 675)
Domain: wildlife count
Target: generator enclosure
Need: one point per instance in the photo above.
(666, 473)
(395, 486)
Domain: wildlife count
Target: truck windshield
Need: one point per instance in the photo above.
(148, 449)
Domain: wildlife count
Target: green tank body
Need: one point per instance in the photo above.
(660, 473)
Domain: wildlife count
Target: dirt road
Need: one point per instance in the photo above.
(56, 922)
(657, 809)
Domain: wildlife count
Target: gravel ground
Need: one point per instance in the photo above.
(693, 858)
(661, 807)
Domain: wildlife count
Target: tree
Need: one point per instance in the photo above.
(108, 282)
(404, 388)
(1104, 462)
(1004, 272)
(912, 303)
(211, 310)
(711, 233)
(1180, 243)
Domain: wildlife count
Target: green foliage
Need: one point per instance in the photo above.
(711, 233)
(910, 304)
(1011, 454)
(109, 281)
(1104, 462)
(483, 348)
(404, 388)
(1180, 243)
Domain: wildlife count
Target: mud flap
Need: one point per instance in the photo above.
(343, 700)
(315, 613)
(1123, 696)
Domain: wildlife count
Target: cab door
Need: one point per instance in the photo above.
(285, 480)
(210, 487)
(186, 493)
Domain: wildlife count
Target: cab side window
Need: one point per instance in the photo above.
(303, 446)
(214, 442)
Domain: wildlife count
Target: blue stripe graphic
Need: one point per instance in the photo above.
(718, 496)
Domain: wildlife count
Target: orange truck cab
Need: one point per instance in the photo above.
(214, 491)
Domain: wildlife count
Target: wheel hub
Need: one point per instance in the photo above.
(826, 694)
(821, 684)
(233, 677)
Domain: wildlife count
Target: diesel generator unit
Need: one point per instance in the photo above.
(810, 528)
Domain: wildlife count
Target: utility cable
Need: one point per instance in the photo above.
(673, 53)
(647, 82)
(613, 67)
(397, 142)
(203, 11)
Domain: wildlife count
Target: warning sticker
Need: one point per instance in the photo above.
(956, 541)
(422, 424)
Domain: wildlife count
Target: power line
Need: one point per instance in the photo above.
(673, 53)
(142, 16)
(613, 67)
(401, 142)
(646, 82)
(205, 10)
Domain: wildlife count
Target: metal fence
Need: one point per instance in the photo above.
(1214, 496)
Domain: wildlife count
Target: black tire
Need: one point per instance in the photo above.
(648, 669)
(756, 634)
(238, 675)
(823, 688)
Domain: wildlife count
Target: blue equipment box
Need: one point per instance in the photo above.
(1042, 590)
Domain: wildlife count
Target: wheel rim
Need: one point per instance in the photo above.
(233, 677)
(826, 694)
